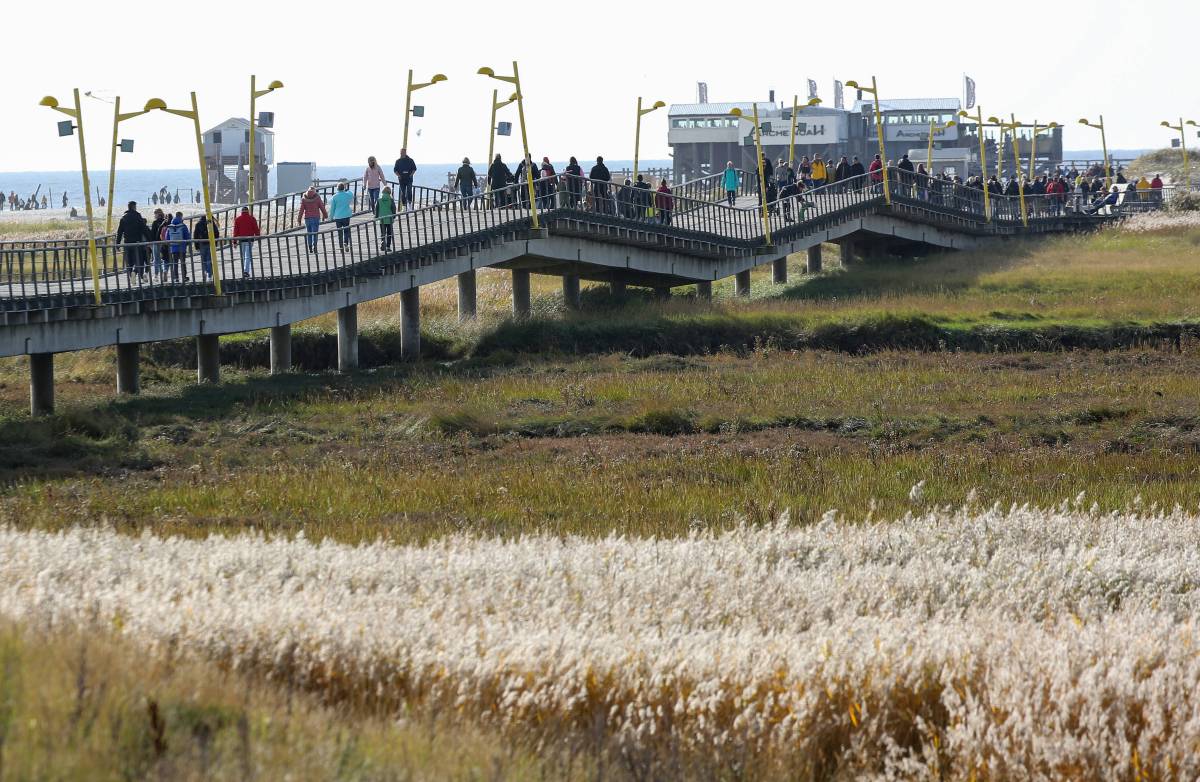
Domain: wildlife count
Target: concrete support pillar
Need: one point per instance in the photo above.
(741, 283)
(571, 291)
(814, 259)
(704, 290)
(520, 293)
(347, 338)
(410, 324)
(41, 383)
(618, 287)
(662, 293)
(208, 358)
(466, 295)
(846, 250)
(129, 373)
(281, 349)
(779, 271)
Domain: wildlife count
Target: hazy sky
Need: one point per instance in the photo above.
(344, 66)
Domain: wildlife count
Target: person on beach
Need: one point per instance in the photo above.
(200, 239)
(312, 211)
(132, 229)
(373, 179)
(245, 230)
(732, 182)
(341, 209)
(404, 170)
(385, 212)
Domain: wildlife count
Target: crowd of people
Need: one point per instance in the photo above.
(157, 250)
(17, 204)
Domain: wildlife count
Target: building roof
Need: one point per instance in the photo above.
(241, 123)
(913, 104)
(716, 109)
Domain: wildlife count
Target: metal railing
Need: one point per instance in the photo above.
(42, 275)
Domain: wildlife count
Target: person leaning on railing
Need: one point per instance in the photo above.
(200, 242)
(664, 202)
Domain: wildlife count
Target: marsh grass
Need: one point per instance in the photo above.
(90, 705)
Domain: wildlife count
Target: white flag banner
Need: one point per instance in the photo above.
(969, 86)
(838, 101)
(812, 89)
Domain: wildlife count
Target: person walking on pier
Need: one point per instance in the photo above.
(819, 171)
(664, 202)
(341, 209)
(245, 231)
(643, 199)
(601, 179)
(312, 211)
(404, 169)
(464, 182)
(200, 240)
(876, 175)
(574, 183)
(157, 250)
(133, 230)
(546, 187)
(856, 172)
(373, 179)
(732, 183)
(498, 178)
(179, 237)
(385, 212)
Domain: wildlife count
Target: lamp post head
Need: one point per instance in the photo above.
(275, 85)
(1084, 122)
(49, 101)
(485, 71)
(813, 102)
(437, 77)
(735, 111)
(994, 120)
(852, 84)
(950, 124)
(1165, 124)
(658, 104)
(1052, 125)
(1190, 122)
(155, 103)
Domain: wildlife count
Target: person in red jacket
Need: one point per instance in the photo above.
(664, 202)
(245, 229)
(875, 172)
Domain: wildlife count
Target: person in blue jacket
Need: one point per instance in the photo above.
(341, 209)
(179, 236)
(732, 183)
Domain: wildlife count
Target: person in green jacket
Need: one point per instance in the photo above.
(385, 211)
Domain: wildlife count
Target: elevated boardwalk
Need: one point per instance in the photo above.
(585, 230)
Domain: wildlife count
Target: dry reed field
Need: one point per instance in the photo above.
(981, 644)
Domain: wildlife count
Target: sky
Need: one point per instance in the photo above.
(583, 67)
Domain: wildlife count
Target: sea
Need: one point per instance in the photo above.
(138, 185)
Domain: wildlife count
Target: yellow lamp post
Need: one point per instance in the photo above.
(637, 133)
(255, 94)
(65, 129)
(408, 107)
(874, 90)
(1103, 145)
(987, 206)
(762, 181)
(515, 80)
(1049, 128)
(497, 104)
(934, 128)
(792, 138)
(1012, 128)
(118, 118)
(1187, 171)
(194, 115)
